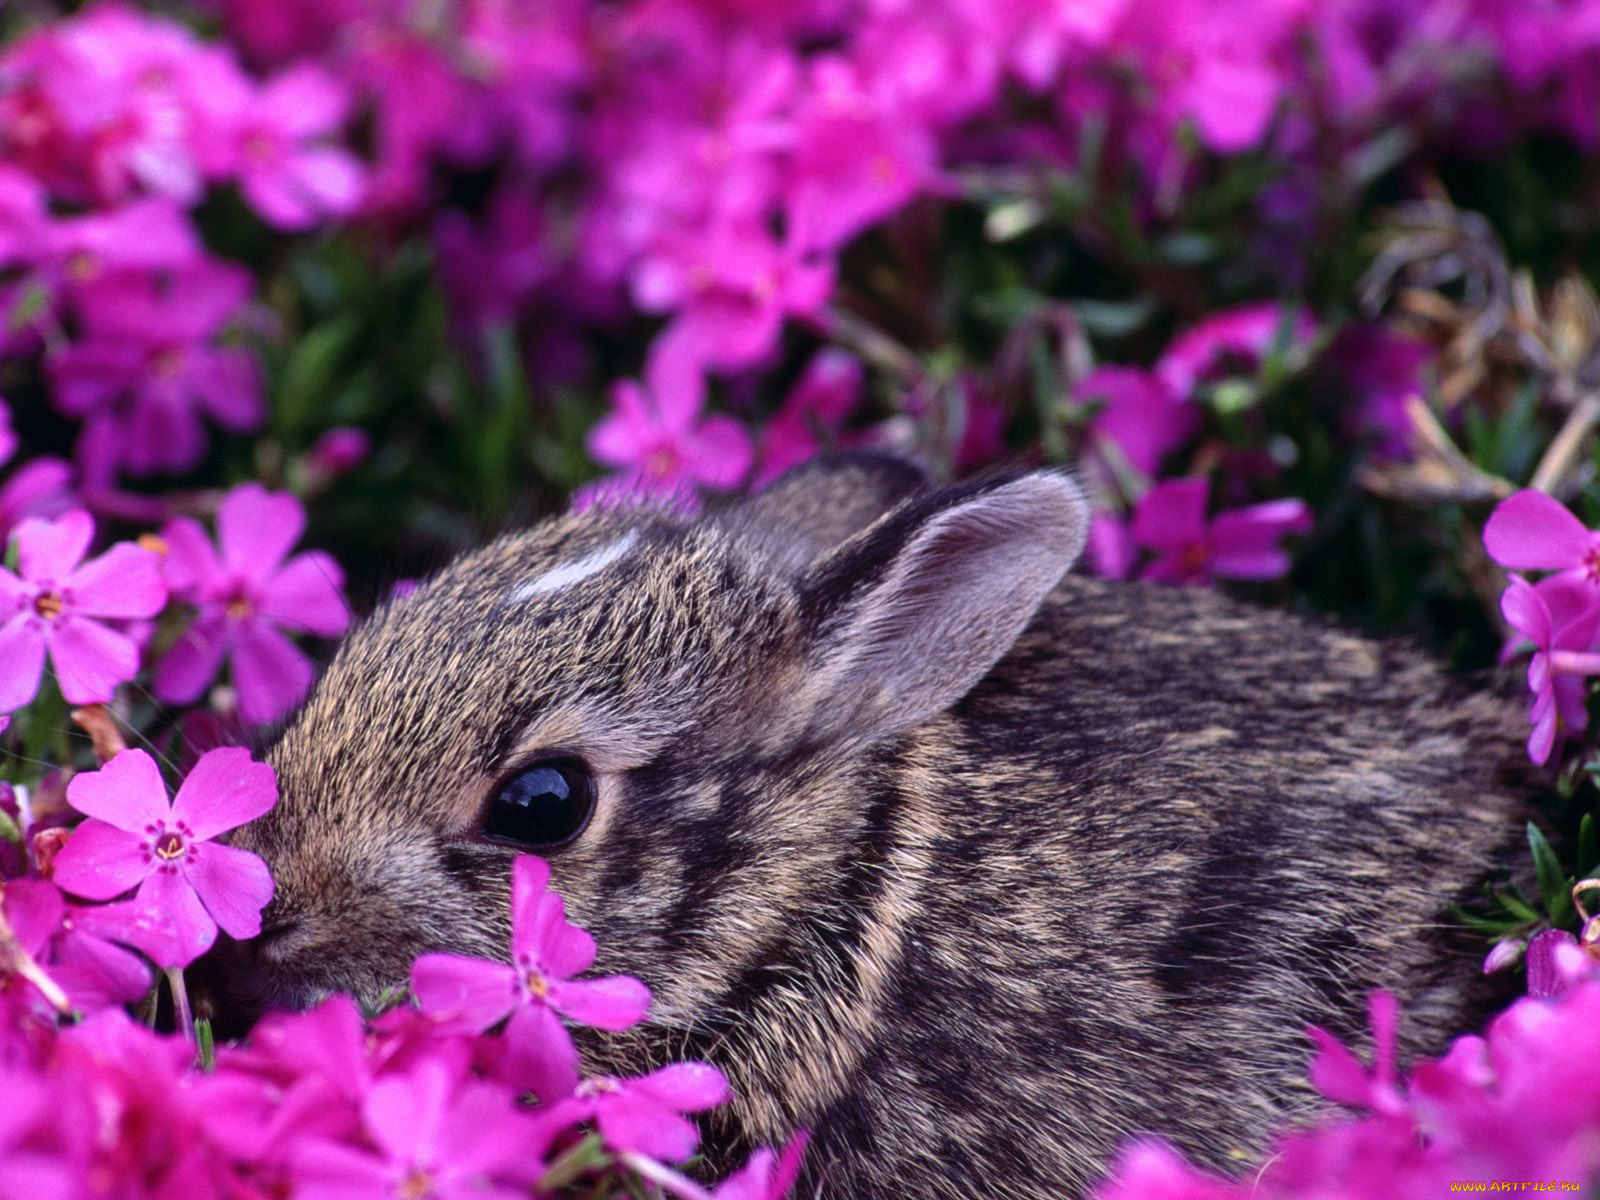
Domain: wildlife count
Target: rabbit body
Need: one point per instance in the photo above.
(971, 867)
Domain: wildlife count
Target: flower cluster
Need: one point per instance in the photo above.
(116, 124)
(1559, 615)
(1521, 1102)
(320, 1104)
(95, 620)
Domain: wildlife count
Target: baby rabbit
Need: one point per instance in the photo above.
(972, 867)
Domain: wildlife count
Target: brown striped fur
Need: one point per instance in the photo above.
(1099, 891)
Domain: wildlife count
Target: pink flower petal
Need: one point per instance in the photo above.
(22, 645)
(470, 992)
(256, 530)
(225, 789)
(306, 595)
(192, 663)
(190, 562)
(100, 861)
(540, 1055)
(128, 792)
(233, 884)
(530, 876)
(631, 1122)
(718, 452)
(403, 1113)
(1525, 611)
(49, 551)
(613, 1002)
(176, 929)
(684, 1087)
(1172, 515)
(1531, 531)
(270, 674)
(91, 659)
(123, 582)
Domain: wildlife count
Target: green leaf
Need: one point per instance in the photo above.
(1555, 889)
(1511, 900)
(205, 1043)
(1588, 856)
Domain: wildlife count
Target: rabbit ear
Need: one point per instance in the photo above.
(909, 615)
(815, 507)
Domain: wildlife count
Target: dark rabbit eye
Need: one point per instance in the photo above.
(543, 806)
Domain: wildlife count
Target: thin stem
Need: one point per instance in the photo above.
(180, 1001)
(877, 347)
(665, 1177)
(1564, 451)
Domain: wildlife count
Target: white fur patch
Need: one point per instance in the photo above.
(574, 572)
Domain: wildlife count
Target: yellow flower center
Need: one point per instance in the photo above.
(169, 846)
(47, 605)
(417, 1185)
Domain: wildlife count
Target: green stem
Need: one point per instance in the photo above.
(180, 1002)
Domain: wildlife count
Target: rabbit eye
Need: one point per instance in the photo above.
(543, 806)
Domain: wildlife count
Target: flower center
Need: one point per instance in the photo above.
(1194, 557)
(239, 606)
(534, 980)
(167, 363)
(169, 846)
(661, 463)
(600, 1085)
(417, 1185)
(48, 605)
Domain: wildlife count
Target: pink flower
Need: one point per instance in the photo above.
(188, 884)
(1142, 417)
(146, 369)
(93, 972)
(1240, 544)
(246, 598)
(54, 603)
(856, 159)
(1531, 531)
(767, 1176)
(656, 433)
(474, 994)
(292, 182)
(1560, 616)
(436, 1135)
(827, 392)
(1242, 336)
(643, 1115)
(1339, 1075)
(37, 488)
(731, 287)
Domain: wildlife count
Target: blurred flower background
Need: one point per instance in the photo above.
(1304, 289)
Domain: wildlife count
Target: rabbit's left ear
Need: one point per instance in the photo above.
(909, 615)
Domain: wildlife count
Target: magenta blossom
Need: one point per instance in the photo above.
(1560, 616)
(643, 1115)
(1143, 418)
(436, 1135)
(1240, 544)
(246, 598)
(54, 604)
(1531, 531)
(287, 176)
(535, 990)
(37, 488)
(64, 938)
(656, 432)
(827, 392)
(147, 369)
(1236, 337)
(188, 884)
